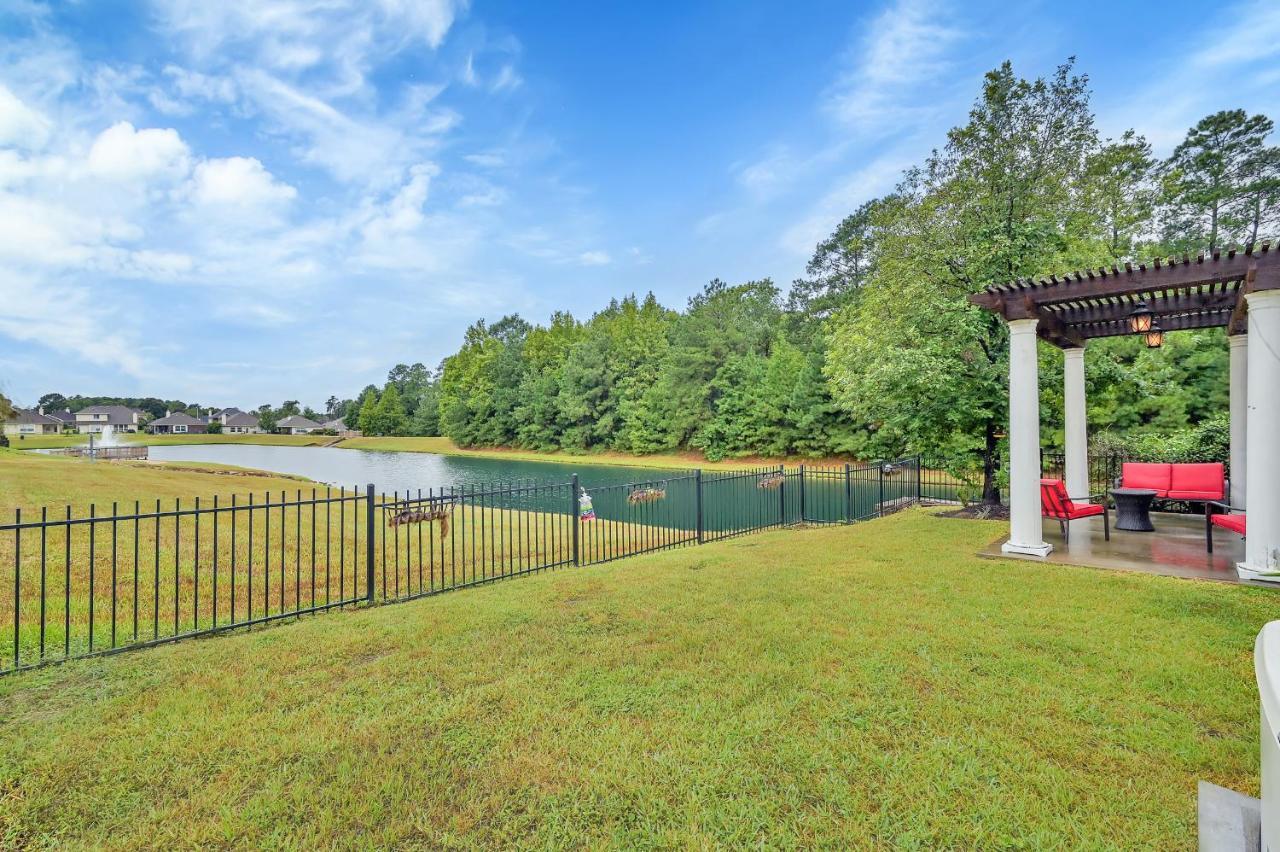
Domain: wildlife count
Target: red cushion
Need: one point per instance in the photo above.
(1235, 523)
(1154, 477)
(1196, 482)
(1084, 510)
(1195, 495)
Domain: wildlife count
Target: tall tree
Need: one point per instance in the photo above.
(1120, 192)
(1002, 200)
(1207, 179)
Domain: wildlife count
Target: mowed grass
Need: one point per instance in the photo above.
(872, 685)
(142, 570)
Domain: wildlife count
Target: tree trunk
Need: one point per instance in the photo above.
(990, 464)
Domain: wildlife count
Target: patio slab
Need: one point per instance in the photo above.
(1175, 549)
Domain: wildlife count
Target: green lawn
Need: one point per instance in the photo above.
(855, 686)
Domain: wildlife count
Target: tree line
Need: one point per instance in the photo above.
(876, 352)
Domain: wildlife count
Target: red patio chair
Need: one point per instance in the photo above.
(1054, 503)
(1228, 521)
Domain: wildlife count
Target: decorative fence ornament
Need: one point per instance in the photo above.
(646, 495)
(419, 516)
(586, 511)
(771, 482)
(890, 469)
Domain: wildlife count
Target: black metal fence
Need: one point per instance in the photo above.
(100, 581)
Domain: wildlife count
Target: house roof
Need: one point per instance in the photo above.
(337, 424)
(31, 416)
(227, 411)
(64, 416)
(297, 421)
(116, 414)
(242, 419)
(178, 418)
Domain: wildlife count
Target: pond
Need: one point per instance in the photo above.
(730, 501)
(399, 471)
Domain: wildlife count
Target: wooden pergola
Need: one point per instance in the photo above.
(1205, 291)
(1238, 290)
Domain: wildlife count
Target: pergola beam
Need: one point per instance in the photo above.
(1201, 292)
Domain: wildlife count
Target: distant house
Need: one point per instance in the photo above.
(121, 418)
(177, 423)
(31, 422)
(239, 423)
(339, 426)
(65, 417)
(296, 424)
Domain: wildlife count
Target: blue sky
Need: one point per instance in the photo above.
(242, 203)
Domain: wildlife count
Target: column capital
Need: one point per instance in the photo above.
(1261, 300)
(1238, 341)
(1023, 326)
(1073, 352)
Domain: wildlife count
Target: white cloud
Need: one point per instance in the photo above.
(594, 258)
(20, 125)
(291, 36)
(905, 46)
(122, 153)
(870, 181)
(1237, 56)
(238, 181)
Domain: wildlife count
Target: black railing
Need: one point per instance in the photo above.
(96, 582)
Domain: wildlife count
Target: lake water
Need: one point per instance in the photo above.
(399, 471)
(733, 503)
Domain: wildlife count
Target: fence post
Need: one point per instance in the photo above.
(697, 489)
(802, 494)
(368, 542)
(573, 513)
(880, 505)
(782, 496)
(919, 476)
(848, 493)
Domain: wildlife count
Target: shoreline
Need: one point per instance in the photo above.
(437, 446)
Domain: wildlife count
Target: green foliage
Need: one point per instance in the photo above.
(214, 428)
(1208, 441)
(1222, 183)
(877, 352)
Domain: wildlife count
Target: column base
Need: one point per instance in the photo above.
(1245, 572)
(1042, 549)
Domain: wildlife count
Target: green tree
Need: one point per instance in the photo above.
(389, 417)
(912, 359)
(1120, 193)
(1208, 178)
(370, 423)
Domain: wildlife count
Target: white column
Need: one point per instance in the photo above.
(1077, 431)
(1026, 532)
(1262, 449)
(1239, 415)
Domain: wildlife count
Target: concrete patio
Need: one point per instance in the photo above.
(1175, 549)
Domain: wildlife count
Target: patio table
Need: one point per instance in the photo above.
(1133, 509)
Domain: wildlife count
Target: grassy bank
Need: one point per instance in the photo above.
(438, 445)
(44, 442)
(32, 480)
(869, 685)
(445, 446)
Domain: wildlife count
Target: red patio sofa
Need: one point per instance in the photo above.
(1202, 482)
(1054, 503)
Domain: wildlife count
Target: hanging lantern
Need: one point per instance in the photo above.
(1141, 320)
(1154, 337)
